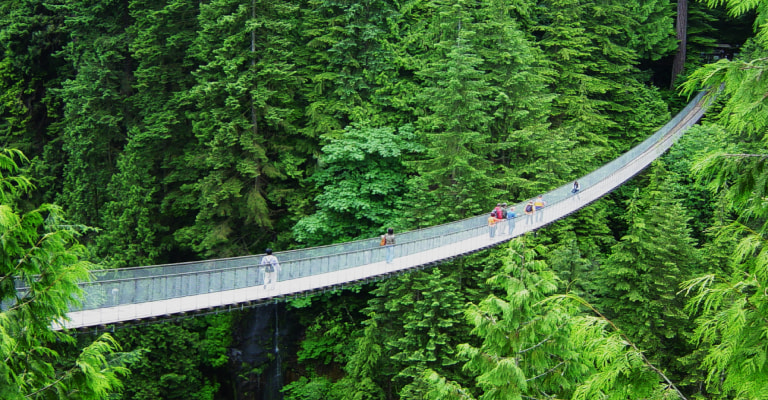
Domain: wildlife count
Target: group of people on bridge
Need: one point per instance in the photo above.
(502, 218)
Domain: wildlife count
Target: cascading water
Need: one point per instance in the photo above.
(256, 360)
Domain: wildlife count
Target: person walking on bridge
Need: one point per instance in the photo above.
(529, 211)
(502, 220)
(492, 225)
(388, 241)
(511, 215)
(576, 189)
(539, 204)
(271, 269)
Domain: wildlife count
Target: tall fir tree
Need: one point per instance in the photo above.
(604, 102)
(524, 349)
(247, 148)
(96, 114)
(640, 280)
(456, 176)
(137, 226)
(732, 303)
(32, 33)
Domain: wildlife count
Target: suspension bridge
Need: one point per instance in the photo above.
(117, 296)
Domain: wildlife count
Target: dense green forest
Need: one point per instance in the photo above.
(146, 132)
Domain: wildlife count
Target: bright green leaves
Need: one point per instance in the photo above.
(525, 346)
(361, 179)
(732, 303)
(640, 279)
(733, 329)
(40, 252)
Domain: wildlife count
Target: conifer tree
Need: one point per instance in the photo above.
(732, 303)
(524, 348)
(603, 104)
(95, 109)
(31, 36)
(247, 146)
(429, 304)
(457, 164)
(135, 224)
(518, 75)
(640, 280)
(345, 61)
(413, 326)
(40, 252)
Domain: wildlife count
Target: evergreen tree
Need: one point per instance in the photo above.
(32, 34)
(430, 305)
(603, 103)
(457, 165)
(176, 356)
(733, 303)
(641, 278)
(40, 251)
(136, 224)
(518, 77)
(413, 325)
(247, 148)
(524, 348)
(96, 114)
(345, 61)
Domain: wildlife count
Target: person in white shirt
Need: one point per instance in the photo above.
(271, 269)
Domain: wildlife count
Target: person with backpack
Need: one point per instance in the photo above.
(576, 188)
(271, 269)
(497, 212)
(529, 211)
(502, 220)
(388, 241)
(492, 225)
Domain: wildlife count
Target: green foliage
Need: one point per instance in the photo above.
(189, 129)
(456, 165)
(640, 279)
(247, 147)
(31, 34)
(361, 179)
(41, 264)
(604, 105)
(133, 218)
(621, 369)
(732, 300)
(93, 104)
(175, 356)
(304, 388)
(695, 197)
(525, 348)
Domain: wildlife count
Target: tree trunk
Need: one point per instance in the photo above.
(681, 29)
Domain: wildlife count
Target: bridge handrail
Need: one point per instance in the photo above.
(469, 223)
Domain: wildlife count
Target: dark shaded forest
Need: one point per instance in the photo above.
(147, 132)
